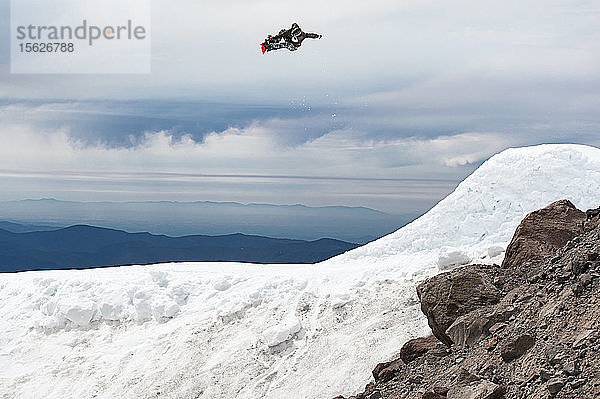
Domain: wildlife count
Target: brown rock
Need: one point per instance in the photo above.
(478, 390)
(581, 338)
(470, 328)
(578, 383)
(546, 375)
(417, 347)
(466, 377)
(572, 368)
(517, 347)
(555, 385)
(542, 232)
(466, 331)
(584, 280)
(496, 327)
(447, 296)
(384, 372)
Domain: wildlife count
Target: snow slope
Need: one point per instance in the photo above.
(225, 330)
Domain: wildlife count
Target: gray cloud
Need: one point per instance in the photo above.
(396, 94)
(247, 164)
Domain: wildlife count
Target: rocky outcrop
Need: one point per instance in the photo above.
(526, 330)
(450, 295)
(544, 231)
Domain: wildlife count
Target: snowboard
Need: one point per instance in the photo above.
(270, 45)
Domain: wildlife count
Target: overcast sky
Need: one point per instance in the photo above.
(391, 109)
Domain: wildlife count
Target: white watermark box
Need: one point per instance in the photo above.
(80, 36)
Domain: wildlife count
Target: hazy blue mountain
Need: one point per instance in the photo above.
(353, 224)
(25, 228)
(86, 246)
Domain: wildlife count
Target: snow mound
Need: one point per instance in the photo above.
(485, 209)
(449, 258)
(229, 330)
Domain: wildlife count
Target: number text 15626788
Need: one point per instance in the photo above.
(47, 47)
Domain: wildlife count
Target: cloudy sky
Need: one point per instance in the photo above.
(391, 109)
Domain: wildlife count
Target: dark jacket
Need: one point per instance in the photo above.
(294, 35)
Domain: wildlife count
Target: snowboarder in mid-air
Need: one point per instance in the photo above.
(290, 39)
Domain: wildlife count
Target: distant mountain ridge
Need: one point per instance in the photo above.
(25, 228)
(83, 246)
(350, 224)
(208, 203)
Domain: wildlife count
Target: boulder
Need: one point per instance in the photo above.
(516, 347)
(384, 372)
(417, 347)
(544, 231)
(447, 296)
